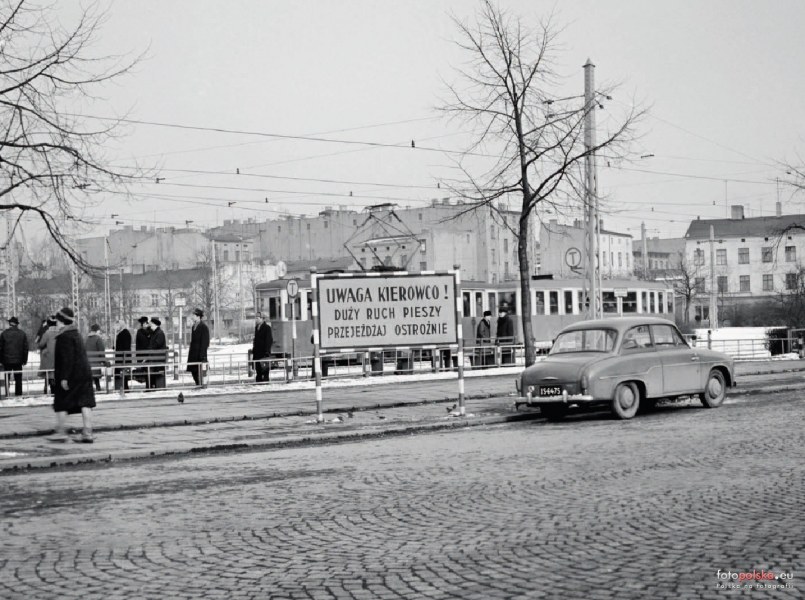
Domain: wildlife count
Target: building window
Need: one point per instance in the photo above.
(605, 259)
(767, 254)
(326, 224)
(743, 256)
(420, 216)
(721, 256)
(505, 245)
(494, 257)
(790, 254)
(154, 299)
(308, 226)
(423, 266)
(237, 255)
(722, 284)
(744, 281)
(791, 280)
(279, 228)
(226, 254)
(698, 285)
(620, 260)
(506, 268)
(698, 257)
(768, 283)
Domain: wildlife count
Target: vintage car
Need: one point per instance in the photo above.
(623, 362)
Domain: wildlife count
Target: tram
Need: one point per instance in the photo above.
(555, 303)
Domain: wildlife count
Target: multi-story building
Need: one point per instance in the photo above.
(664, 256)
(563, 251)
(747, 260)
(481, 241)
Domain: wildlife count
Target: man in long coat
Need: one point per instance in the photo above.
(74, 393)
(199, 342)
(484, 354)
(261, 347)
(141, 343)
(122, 355)
(14, 354)
(505, 335)
(158, 354)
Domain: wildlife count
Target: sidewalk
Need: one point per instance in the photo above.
(275, 416)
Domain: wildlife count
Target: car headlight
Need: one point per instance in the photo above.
(585, 383)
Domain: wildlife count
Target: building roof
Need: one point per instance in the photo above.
(752, 227)
(151, 280)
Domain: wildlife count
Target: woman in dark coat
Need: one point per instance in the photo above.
(73, 375)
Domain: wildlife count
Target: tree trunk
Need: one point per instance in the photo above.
(525, 291)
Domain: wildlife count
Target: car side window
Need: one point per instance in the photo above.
(666, 336)
(637, 339)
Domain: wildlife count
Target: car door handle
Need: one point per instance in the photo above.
(694, 358)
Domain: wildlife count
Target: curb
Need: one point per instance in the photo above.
(290, 441)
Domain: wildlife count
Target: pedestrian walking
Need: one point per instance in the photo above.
(505, 335)
(123, 356)
(157, 355)
(484, 353)
(14, 354)
(199, 342)
(96, 351)
(73, 392)
(47, 345)
(261, 347)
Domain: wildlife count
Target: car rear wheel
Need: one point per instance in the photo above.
(715, 391)
(553, 412)
(626, 400)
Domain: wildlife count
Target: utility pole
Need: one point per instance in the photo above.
(215, 329)
(75, 291)
(240, 287)
(591, 195)
(11, 275)
(713, 296)
(107, 293)
(645, 249)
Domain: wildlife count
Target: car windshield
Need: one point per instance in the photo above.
(585, 340)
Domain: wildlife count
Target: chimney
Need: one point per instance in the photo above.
(778, 209)
(576, 223)
(434, 201)
(737, 211)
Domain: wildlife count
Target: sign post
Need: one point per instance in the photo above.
(293, 289)
(355, 312)
(180, 302)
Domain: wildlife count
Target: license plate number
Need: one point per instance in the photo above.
(550, 390)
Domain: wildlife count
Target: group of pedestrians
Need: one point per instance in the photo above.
(485, 352)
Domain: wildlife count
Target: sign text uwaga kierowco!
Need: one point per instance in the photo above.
(403, 310)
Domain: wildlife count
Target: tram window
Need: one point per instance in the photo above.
(493, 304)
(553, 300)
(297, 307)
(630, 302)
(661, 302)
(568, 302)
(652, 307)
(273, 309)
(479, 304)
(509, 299)
(539, 303)
(581, 298)
(610, 302)
(644, 303)
(309, 306)
(465, 297)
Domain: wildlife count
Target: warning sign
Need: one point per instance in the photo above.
(388, 310)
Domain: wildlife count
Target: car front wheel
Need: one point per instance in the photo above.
(715, 391)
(625, 400)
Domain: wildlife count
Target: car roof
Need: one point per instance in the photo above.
(618, 323)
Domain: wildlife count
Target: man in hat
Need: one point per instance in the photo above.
(483, 339)
(73, 393)
(261, 346)
(122, 355)
(505, 335)
(96, 351)
(141, 342)
(199, 342)
(158, 354)
(14, 353)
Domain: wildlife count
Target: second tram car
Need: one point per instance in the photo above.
(555, 303)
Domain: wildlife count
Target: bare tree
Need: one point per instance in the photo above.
(507, 95)
(687, 282)
(52, 162)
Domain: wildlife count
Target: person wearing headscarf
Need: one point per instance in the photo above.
(14, 354)
(199, 342)
(73, 391)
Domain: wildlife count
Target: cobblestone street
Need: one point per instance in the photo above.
(588, 508)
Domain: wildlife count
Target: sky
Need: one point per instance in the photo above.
(722, 81)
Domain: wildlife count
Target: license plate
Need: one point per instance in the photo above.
(550, 390)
